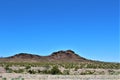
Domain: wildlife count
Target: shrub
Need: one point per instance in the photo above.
(111, 72)
(8, 70)
(31, 71)
(4, 79)
(19, 71)
(66, 72)
(76, 68)
(28, 67)
(46, 72)
(87, 72)
(55, 70)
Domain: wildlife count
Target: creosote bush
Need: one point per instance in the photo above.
(55, 70)
(32, 72)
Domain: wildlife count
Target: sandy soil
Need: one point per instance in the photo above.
(9, 76)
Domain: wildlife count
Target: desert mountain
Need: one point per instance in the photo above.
(60, 56)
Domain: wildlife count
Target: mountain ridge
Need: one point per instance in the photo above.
(59, 56)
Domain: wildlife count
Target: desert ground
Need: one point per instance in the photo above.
(14, 76)
(64, 65)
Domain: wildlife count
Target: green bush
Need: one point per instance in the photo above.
(8, 70)
(32, 72)
(28, 67)
(17, 79)
(55, 70)
(76, 68)
(46, 72)
(19, 71)
(4, 79)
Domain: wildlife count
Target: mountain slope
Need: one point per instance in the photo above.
(60, 56)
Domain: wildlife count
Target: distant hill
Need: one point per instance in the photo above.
(60, 56)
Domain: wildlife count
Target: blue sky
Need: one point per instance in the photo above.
(89, 27)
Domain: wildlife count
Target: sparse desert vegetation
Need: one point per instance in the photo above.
(61, 65)
(61, 68)
(59, 71)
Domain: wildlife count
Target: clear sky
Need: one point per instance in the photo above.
(89, 27)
